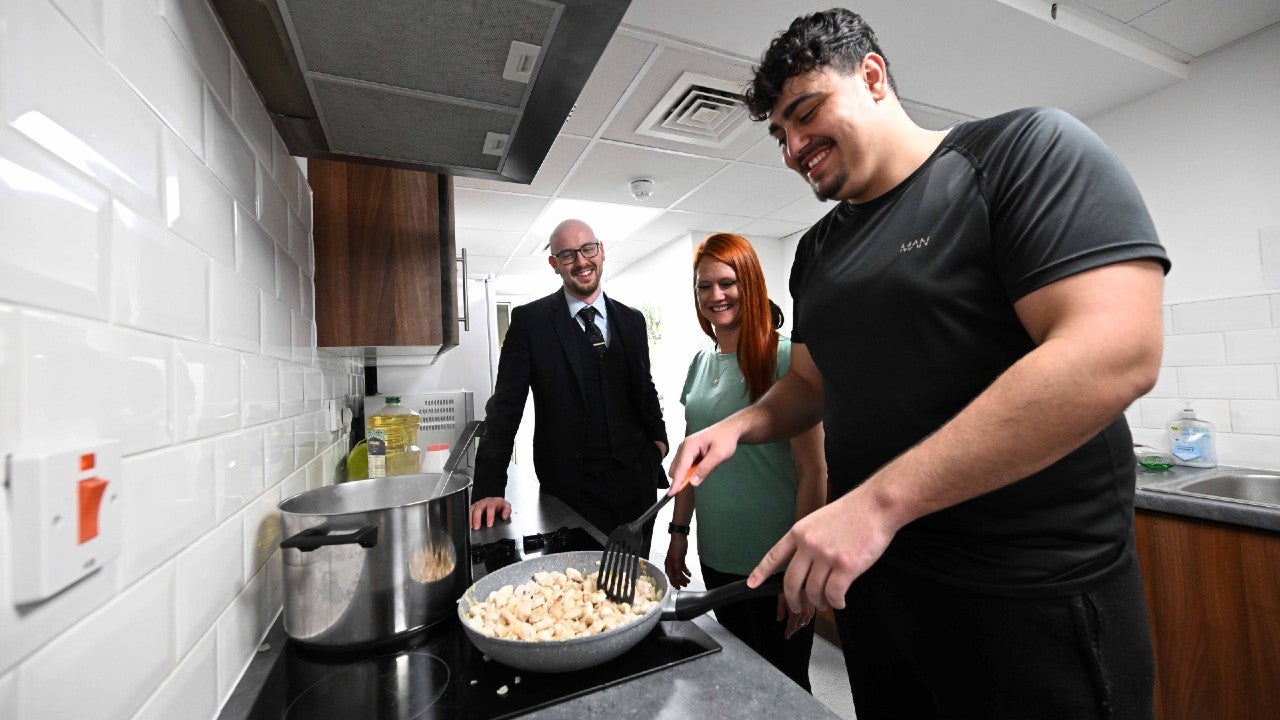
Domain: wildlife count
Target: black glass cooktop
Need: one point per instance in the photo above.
(440, 674)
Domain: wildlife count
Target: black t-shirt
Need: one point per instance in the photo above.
(906, 305)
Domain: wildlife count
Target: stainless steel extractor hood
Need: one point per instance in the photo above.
(478, 88)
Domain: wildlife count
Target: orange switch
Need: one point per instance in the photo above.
(86, 462)
(90, 501)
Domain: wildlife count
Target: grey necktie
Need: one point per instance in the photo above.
(588, 316)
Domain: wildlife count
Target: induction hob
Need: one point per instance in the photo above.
(439, 674)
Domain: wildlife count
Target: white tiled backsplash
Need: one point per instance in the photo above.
(1222, 356)
(155, 287)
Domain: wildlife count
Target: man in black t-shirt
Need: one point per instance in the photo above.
(971, 321)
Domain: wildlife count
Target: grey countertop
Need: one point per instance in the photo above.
(1159, 492)
(733, 683)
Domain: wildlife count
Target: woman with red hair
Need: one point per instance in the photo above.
(758, 494)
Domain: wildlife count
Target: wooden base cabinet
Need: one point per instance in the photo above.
(385, 273)
(1213, 593)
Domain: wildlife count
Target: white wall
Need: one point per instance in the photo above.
(663, 283)
(1206, 156)
(155, 287)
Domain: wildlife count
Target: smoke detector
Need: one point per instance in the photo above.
(642, 188)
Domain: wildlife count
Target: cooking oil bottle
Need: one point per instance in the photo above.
(393, 440)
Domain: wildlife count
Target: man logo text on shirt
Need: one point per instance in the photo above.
(914, 244)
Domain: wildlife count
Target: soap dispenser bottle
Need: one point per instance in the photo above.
(1192, 440)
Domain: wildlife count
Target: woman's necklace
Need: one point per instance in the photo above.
(723, 367)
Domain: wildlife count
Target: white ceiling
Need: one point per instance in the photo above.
(951, 59)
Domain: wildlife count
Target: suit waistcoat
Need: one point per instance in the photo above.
(612, 425)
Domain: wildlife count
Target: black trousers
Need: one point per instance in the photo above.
(918, 650)
(613, 493)
(754, 622)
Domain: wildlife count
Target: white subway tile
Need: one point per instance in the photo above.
(1269, 242)
(293, 392)
(1166, 319)
(243, 626)
(1249, 347)
(285, 171)
(158, 284)
(10, 380)
(53, 232)
(250, 115)
(1133, 415)
(27, 629)
(304, 438)
(168, 502)
(200, 32)
(87, 16)
(197, 206)
(206, 391)
(1157, 412)
(1233, 382)
(261, 536)
(1275, 309)
(1261, 417)
(210, 574)
(1166, 384)
(1151, 437)
(277, 328)
(300, 333)
(228, 154)
(191, 690)
(1243, 313)
(295, 483)
(1252, 451)
(9, 695)
(315, 473)
(273, 209)
(308, 298)
(280, 451)
(109, 664)
(304, 197)
(313, 385)
(1197, 349)
(89, 380)
(299, 240)
(304, 340)
(145, 51)
(288, 280)
(261, 387)
(235, 317)
(255, 251)
(241, 470)
(41, 58)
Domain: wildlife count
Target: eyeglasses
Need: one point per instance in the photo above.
(588, 250)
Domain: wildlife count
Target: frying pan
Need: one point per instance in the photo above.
(583, 652)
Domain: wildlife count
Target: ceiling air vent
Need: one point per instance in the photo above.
(700, 110)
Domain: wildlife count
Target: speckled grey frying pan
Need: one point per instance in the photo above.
(583, 652)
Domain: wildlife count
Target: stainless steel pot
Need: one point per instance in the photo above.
(370, 561)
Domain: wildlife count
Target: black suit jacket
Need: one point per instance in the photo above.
(540, 353)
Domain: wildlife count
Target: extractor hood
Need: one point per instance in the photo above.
(477, 88)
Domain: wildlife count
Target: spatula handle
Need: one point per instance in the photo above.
(690, 605)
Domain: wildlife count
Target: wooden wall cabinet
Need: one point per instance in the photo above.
(385, 271)
(1213, 593)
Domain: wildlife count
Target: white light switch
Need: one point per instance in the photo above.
(66, 522)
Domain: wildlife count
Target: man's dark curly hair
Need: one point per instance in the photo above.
(837, 38)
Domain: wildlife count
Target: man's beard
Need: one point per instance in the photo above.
(582, 290)
(828, 191)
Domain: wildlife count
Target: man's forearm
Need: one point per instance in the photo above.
(790, 407)
(1034, 414)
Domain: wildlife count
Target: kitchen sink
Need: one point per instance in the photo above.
(1252, 487)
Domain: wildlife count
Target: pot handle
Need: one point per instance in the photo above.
(312, 538)
(690, 605)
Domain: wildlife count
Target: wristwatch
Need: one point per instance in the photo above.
(675, 528)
